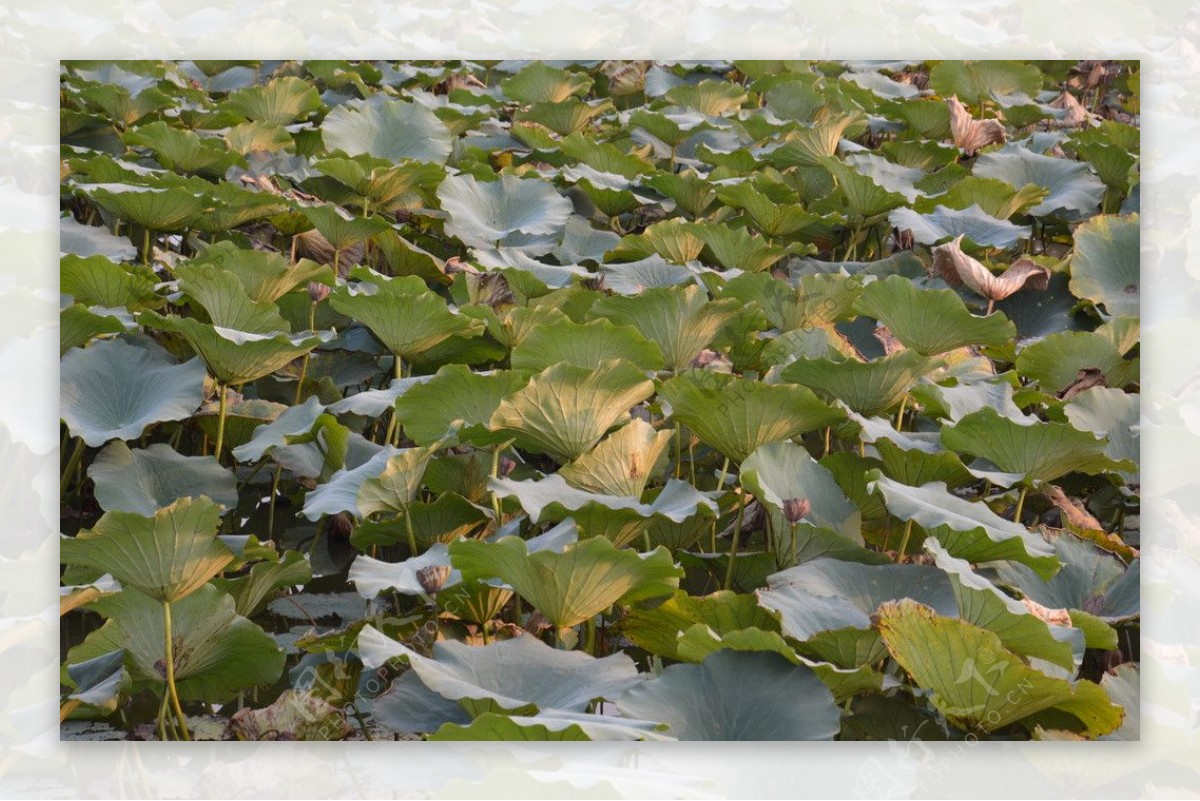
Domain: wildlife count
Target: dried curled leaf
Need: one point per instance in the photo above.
(971, 135)
(1073, 511)
(295, 715)
(1055, 617)
(1076, 115)
(956, 267)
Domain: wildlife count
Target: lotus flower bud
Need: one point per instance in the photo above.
(433, 577)
(794, 509)
(317, 292)
(506, 466)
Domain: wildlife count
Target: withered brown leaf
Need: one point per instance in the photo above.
(971, 135)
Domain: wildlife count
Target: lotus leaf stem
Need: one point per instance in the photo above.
(146, 247)
(900, 413)
(72, 464)
(733, 548)
(170, 662)
(724, 473)
(1020, 505)
(221, 403)
(312, 324)
(274, 495)
(908, 527)
(408, 525)
(589, 642)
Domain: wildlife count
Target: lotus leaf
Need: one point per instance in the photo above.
(736, 415)
(979, 684)
(565, 410)
(484, 214)
(114, 389)
(1104, 268)
(584, 345)
(1072, 187)
(144, 481)
(776, 700)
(393, 129)
(572, 586)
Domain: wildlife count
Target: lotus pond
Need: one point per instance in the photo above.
(601, 400)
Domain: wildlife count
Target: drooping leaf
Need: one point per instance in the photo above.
(294, 715)
(540, 83)
(680, 320)
(781, 473)
(484, 214)
(866, 387)
(96, 281)
(973, 224)
(956, 267)
(1059, 360)
(281, 101)
(966, 530)
(584, 345)
(622, 463)
(1072, 187)
(454, 393)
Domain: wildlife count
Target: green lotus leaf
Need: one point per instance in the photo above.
(970, 394)
(230, 206)
(680, 320)
(815, 300)
(265, 277)
(692, 194)
(1072, 187)
(980, 685)
(342, 229)
(782, 472)
(865, 198)
(372, 576)
(406, 317)
(928, 118)
(182, 150)
(1105, 265)
(556, 726)
(622, 463)
(79, 325)
(710, 98)
(619, 518)
(541, 83)
(380, 181)
(981, 604)
(155, 209)
(572, 586)
(224, 297)
(521, 675)
(114, 389)
(281, 101)
(166, 555)
(392, 129)
(236, 357)
(768, 216)
(387, 481)
(565, 410)
(995, 198)
(252, 591)
(828, 595)
(96, 281)
(930, 321)
(774, 700)
(455, 393)
(475, 601)
(812, 145)
(483, 214)
(1059, 360)
(888, 174)
(738, 249)
(657, 630)
(945, 223)
(584, 345)
(144, 481)
(565, 117)
(1111, 162)
(443, 520)
(967, 530)
(92, 240)
(100, 681)
(1091, 581)
(676, 241)
(1108, 413)
(881, 84)
(632, 278)
(275, 433)
(1124, 686)
(866, 387)
(976, 81)
(217, 652)
(736, 415)
(1038, 452)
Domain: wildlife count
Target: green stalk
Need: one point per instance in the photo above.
(72, 463)
(146, 247)
(1020, 505)
(724, 473)
(900, 413)
(412, 537)
(733, 548)
(170, 648)
(678, 451)
(220, 421)
(908, 527)
(589, 642)
(828, 431)
(312, 322)
(271, 507)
